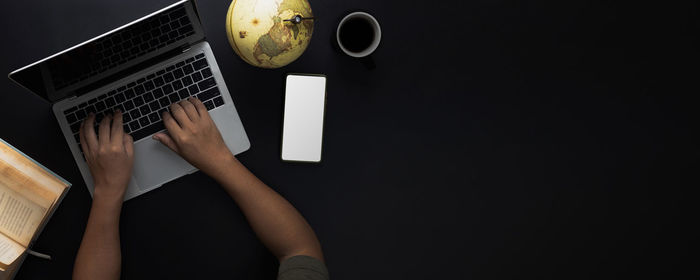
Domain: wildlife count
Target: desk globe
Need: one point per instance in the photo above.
(269, 33)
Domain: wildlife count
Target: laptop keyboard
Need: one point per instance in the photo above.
(144, 100)
(125, 45)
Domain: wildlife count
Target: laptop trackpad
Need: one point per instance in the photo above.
(155, 164)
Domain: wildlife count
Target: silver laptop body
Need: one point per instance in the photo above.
(140, 68)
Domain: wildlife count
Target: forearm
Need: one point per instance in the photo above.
(99, 256)
(282, 229)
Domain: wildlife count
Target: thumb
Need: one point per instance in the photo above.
(166, 140)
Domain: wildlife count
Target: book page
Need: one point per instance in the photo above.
(9, 251)
(19, 216)
(28, 178)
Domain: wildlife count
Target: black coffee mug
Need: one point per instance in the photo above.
(358, 35)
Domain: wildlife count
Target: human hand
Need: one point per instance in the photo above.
(109, 155)
(194, 136)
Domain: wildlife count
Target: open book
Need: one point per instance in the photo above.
(29, 193)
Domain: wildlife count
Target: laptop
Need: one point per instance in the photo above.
(140, 68)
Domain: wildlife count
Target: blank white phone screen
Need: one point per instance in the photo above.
(304, 105)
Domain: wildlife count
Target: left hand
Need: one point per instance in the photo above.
(109, 155)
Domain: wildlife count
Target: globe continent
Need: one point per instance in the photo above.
(260, 36)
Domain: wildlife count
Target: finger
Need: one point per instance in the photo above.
(89, 132)
(171, 124)
(190, 110)
(83, 143)
(104, 128)
(128, 145)
(201, 109)
(117, 128)
(166, 140)
(180, 116)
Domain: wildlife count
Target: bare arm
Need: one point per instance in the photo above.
(110, 158)
(276, 222)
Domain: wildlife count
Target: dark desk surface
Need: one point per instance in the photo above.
(494, 140)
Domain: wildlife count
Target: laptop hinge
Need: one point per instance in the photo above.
(186, 47)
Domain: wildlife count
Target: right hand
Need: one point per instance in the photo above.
(194, 136)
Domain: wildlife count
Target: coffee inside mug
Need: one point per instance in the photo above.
(358, 34)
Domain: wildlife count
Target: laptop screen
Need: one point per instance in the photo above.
(113, 55)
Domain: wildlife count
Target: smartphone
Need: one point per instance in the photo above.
(304, 110)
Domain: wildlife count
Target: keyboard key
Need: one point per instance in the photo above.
(92, 101)
(188, 69)
(150, 76)
(193, 89)
(80, 114)
(71, 118)
(191, 59)
(170, 68)
(218, 101)
(75, 127)
(128, 105)
(186, 81)
(139, 89)
(196, 77)
(201, 55)
(135, 114)
(82, 105)
(144, 121)
(158, 81)
(206, 72)
(164, 102)
(173, 98)
(103, 96)
(126, 117)
(167, 89)
(168, 77)
(121, 88)
(177, 85)
(206, 84)
(149, 85)
(90, 109)
(138, 101)
(100, 106)
(160, 72)
(180, 64)
(209, 94)
(126, 128)
(120, 107)
(199, 64)
(110, 102)
(183, 93)
(140, 81)
(144, 110)
(132, 84)
(153, 117)
(147, 131)
(209, 105)
(178, 73)
(148, 97)
(157, 93)
(129, 93)
(134, 126)
(120, 98)
(71, 110)
(154, 106)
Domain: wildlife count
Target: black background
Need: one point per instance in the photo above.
(495, 139)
